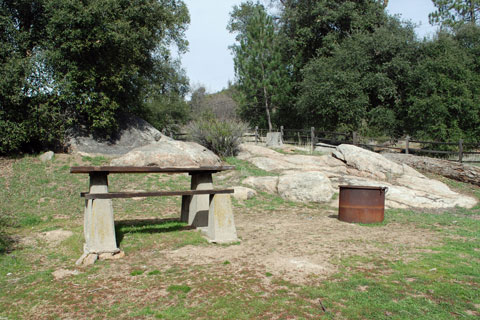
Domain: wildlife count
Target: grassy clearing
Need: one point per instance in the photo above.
(442, 282)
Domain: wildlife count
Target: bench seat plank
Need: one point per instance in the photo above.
(117, 195)
(110, 169)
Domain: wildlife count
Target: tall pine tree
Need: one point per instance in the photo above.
(259, 73)
(454, 13)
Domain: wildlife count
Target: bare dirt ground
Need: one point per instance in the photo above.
(298, 244)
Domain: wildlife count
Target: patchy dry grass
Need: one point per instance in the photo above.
(293, 261)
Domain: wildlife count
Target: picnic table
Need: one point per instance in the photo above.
(202, 205)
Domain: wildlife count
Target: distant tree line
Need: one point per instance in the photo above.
(349, 66)
(68, 64)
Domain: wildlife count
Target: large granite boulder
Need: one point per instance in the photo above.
(169, 153)
(265, 184)
(134, 132)
(308, 186)
(317, 178)
(372, 163)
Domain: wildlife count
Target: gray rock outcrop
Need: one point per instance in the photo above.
(169, 153)
(134, 132)
(307, 186)
(316, 178)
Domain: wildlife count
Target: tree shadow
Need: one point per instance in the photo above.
(151, 226)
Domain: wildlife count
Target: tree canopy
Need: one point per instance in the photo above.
(454, 13)
(82, 63)
(351, 66)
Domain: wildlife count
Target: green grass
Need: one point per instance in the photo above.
(247, 169)
(96, 161)
(137, 273)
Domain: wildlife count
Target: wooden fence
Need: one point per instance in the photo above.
(311, 138)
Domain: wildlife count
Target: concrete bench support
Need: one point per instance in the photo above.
(198, 205)
(99, 227)
(221, 225)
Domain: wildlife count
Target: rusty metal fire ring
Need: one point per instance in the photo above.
(362, 204)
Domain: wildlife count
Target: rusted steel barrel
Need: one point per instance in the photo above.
(361, 204)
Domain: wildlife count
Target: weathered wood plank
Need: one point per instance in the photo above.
(116, 195)
(111, 169)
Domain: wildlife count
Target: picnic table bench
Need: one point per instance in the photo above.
(202, 205)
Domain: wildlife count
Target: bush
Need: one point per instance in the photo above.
(222, 137)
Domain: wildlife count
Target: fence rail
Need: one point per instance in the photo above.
(449, 150)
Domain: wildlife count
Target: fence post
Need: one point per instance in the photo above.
(299, 139)
(460, 150)
(355, 138)
(256, 135)
(281, 132)
(407, 142)
(312, 135)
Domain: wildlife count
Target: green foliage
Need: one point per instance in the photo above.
(221, 137)
(349, 66)
(443, 94)
(167, 112)
(262, 79)
(455, 13)
(71, 63)
(360, 84)
(221, 104)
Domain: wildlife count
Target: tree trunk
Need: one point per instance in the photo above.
(453, 170)
(267, 108)
(265, 95)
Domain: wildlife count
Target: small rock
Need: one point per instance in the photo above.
(56, 236)
(433, 269)
(90, 259)
(111, 256)
(63, 273)
(243, 193)
(47, 156)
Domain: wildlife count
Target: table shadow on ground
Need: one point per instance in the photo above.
(151, 226)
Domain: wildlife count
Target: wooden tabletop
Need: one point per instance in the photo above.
(109, 169)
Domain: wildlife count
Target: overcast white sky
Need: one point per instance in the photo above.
(209, 62)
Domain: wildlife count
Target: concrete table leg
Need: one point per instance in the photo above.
(99, 227)
(198, 205)
(221, 225)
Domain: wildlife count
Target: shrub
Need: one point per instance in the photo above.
(222, 137)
